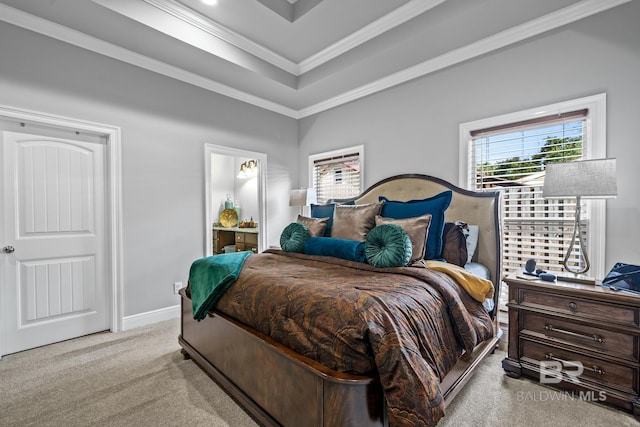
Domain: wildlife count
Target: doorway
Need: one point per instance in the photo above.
(59, 229)
(234, 179)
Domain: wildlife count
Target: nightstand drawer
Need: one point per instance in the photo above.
(587, 336)
(251, 238)
(620, 377)
(612, 313)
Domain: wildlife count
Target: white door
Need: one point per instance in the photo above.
(53, 248)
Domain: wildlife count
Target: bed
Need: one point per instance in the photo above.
(254, 361)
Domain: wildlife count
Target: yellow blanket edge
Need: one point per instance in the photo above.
(480, 289)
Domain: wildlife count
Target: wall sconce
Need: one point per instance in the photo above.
(594, 179)
(248, 169)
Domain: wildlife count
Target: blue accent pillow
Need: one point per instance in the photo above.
(293, 237)
(351, 250)
(388, 245)
(323, 211)
(435, 206)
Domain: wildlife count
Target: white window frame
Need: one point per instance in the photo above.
(595, 133)
(340, 152)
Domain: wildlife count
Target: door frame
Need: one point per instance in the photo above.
(113, 196)
(210, 149)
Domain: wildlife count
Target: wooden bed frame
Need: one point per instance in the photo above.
(277, 386)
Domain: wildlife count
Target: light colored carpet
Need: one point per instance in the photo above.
(132, 378)
(493, 399)
(139, 378)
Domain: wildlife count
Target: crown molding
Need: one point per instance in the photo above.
(68, 35)
(392, 19)
(397, 17)
(499, 40)
(221, 32)
(561, 17)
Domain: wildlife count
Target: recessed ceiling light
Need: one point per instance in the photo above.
(210, 2)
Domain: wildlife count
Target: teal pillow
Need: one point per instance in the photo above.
(436, 206)
(293, 237)
(351, 250)
(324, 211)
(388, 245)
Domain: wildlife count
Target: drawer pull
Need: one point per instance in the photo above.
(573, 306)
(596, 338)
(594, 368)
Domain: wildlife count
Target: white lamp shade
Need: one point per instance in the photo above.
(586, 178)
(302, 197)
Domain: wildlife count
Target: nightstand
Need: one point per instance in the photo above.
(589, 334)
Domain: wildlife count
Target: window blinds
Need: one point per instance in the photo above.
(512, 158)
(337, 177)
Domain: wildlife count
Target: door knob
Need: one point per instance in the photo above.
(8, 249)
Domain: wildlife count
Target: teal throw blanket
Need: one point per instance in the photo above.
(210, 277)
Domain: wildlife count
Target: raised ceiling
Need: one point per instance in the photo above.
(296, 57)
(290, 10)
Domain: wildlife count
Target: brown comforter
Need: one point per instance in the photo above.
(408, 324)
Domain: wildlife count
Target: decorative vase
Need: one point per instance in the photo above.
(228, 204)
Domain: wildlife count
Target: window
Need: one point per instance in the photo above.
(509, 152)
(512, 158)
(337, 174)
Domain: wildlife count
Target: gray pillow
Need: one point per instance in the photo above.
(417, 228)
(353, 222)
(316, 226)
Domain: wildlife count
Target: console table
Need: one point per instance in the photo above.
(244, 239)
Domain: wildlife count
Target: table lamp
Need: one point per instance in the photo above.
(302, 197)
(593, 179)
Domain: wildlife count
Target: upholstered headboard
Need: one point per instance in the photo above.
(477, 208)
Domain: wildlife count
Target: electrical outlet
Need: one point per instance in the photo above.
(176, 287)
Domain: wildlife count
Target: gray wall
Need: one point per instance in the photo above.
(413, 128)
(409, 128)
(165, 125)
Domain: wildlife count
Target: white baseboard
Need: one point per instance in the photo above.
(150, 317)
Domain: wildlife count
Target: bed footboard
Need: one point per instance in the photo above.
(274, 384)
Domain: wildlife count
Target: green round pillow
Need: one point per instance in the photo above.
(293, 237)
(388, 245)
